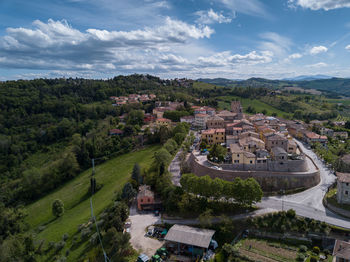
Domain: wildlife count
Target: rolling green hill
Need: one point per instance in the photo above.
(333, 86)
(113, 174)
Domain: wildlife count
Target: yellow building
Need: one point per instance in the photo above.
(214, 136)
(241, 157)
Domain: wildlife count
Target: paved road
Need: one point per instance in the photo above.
(309, 202)
(174, 169)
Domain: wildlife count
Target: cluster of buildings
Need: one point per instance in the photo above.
(163, 106)
(257, 142)
(132, 98)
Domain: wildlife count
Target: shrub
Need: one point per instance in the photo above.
(85, 233)
(57, 208)
(313, 259)
(94, 238)
(51, 245)
(303, 249)
(291, 213)
(59, 245)
(65, 236)
(316, 250)
(300, 257)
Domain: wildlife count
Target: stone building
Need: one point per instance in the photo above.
(277, 140)
(215, 122)
(236, 107)
(343, 188)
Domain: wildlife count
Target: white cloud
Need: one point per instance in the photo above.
(318, 49)
(317, 65)
(320, 4)
(251, 7)
(347, 47)
(226, 58)
(275, 43)
(295, 56)
(210, 17)
(56, 45)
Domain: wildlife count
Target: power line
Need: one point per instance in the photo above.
(92, 210)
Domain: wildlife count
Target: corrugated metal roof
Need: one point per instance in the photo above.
(190, 235)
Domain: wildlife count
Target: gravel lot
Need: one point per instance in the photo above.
(139, 223)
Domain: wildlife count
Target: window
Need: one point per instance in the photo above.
(149, 200)
(346, 192)
(237, 155)
(141, 200)
(347, 184)
(282, 157)
(236, 161)
(251, 161)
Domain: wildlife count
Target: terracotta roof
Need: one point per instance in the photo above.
(201, 115)
(116, 131)
(343, 177)
(163, 120)
(208, 132)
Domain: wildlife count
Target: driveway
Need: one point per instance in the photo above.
(139, 223)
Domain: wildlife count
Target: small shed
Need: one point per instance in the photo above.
(187, 240)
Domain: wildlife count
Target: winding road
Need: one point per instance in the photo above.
(306, 204)
(309, 202)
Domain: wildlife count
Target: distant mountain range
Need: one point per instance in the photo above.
(307, 78)
(331, 86)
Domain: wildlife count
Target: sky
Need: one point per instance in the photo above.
(235, 39)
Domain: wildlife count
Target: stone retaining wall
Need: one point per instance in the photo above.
(269, 181)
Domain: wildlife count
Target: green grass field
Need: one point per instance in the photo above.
(225, 103)
(113, 174)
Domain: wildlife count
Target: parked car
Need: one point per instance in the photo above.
(143, 258)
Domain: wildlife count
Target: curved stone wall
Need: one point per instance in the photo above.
(269, 181)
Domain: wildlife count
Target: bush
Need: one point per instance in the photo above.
(300, 257)
(65, 237)
(316, 250)
(85, 233)
(51, 245)
(57, 208)
(313, 259)
(219, 257)
(291, 213)
(303, 249)
(59, 245)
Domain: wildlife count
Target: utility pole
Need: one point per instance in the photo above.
(92, 179)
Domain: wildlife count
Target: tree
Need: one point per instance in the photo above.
(205, 219)
(171, 146)
(128, 192)
(217, 151)
(135, 117)
(136, 173)
(57, 208)
(162, 157)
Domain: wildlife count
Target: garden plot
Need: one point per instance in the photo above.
(264, 251)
